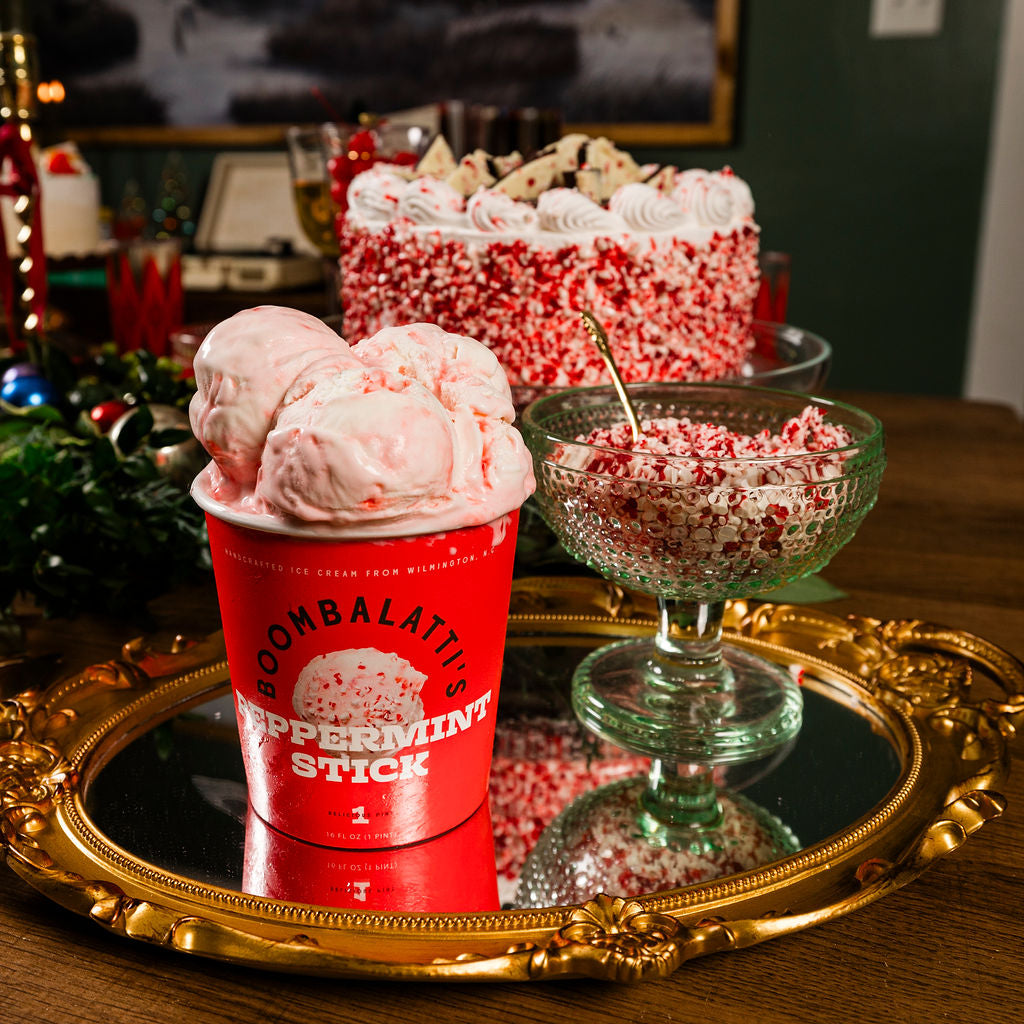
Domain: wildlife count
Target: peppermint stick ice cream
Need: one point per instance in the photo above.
(407, 432)
(361, 504)
(359, 699)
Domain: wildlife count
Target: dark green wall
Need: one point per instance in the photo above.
(867, 161)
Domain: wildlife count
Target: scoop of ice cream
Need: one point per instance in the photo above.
(329, 460)
(243, 369)
(407, 432)
(358, 687)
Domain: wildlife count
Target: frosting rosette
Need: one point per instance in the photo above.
(566, 211)
(646, 209)
(430, 201)
(375, 193)
(493, 211)
(707, 196)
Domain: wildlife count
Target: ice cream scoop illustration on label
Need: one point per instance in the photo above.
(361, 699)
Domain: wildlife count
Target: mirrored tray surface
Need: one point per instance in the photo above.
(842, 766)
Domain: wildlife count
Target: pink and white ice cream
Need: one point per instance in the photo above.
(407, 432)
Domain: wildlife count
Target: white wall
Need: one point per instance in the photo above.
(995, 358)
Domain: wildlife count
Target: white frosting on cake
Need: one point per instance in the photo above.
(491, 212)
(376, 193)
(702, 203)
(646, 209)
(432, 202)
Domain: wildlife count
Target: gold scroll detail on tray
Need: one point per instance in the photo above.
(950, 701)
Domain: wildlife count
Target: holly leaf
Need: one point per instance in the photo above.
(85, 525)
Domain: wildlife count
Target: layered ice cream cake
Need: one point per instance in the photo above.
(509, 251)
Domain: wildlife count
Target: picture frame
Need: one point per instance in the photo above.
(717, 128)
(663, 73)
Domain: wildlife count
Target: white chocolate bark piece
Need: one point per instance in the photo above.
(506, 164)
(438, 161)
(615, 166)
(567, 150)
(472, 172)
(532, 178)
(663, 179)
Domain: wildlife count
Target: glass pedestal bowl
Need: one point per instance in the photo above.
(786, 357)
(781, 356)
(693, 531)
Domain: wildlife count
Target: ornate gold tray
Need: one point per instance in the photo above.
(914, 684)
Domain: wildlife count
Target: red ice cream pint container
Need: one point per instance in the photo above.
(452, 873)
(365, 675)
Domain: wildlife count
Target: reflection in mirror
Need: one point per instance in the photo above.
(455, 872)
(175, 797)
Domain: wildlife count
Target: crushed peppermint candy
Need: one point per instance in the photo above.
(698, 508)
(674, 436)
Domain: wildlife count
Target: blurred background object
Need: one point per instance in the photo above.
(883, 165)
(773, 296)
(147, 303)
(22, 259)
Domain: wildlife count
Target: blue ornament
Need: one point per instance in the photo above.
(16, 370)
(24, 391)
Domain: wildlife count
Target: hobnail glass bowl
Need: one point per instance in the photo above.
(782, 356)
(693, 531)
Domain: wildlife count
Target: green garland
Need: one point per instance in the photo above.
(85, 525)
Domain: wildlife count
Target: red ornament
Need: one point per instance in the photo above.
(106, 414)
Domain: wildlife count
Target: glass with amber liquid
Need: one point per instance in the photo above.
(316, 188)
(317, 210)
(311, 188)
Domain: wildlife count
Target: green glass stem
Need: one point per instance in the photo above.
(678, 799)
(688, 645)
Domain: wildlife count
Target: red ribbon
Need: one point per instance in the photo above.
(21, 179)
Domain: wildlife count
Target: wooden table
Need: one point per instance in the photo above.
(946, 544)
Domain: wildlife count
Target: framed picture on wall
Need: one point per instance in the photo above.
(664, 75)
(643, 72)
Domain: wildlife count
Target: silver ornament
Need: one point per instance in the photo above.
(178, 462)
